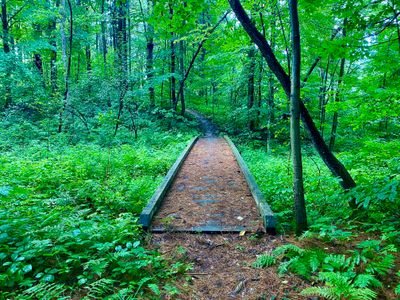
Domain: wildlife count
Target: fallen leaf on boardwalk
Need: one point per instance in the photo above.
(242, 233)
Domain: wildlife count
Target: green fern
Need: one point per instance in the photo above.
(332, 293)
(381, 266)
(397, 290)
(338, 262)
(288, 249)
(47, 291)
(100, 288)
(340, 286)
(366, 280)
(264, 261)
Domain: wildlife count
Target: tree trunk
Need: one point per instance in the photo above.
(182, 80)
(68, 67)
(335, 166)
(6, 48)
(53, 53)
(173, 99)
(103, 34)
(323, 96)
(337, 99)
(295, 139)
(37, 57)
(122, 54)
(337, 96)
(250, 86)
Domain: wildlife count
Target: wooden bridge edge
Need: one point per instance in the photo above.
(262, 205)
(157, 198)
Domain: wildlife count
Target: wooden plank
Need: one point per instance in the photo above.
(200, 229)
(262, 205)
(157, 198)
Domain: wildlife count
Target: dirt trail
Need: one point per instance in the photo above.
(210, 190)
(208, 127)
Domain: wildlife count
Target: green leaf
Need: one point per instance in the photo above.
(154, 288)
(27, 268)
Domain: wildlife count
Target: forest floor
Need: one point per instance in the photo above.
(210, 190)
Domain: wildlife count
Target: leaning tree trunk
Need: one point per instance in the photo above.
(335, 166)
(298, 189)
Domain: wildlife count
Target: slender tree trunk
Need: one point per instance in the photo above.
(173, 99)
(149, 66)
(103, 34)
(295, 138)
(337, 99)
(337, 96)
(6, 48)
(335, 166)
(53, 52)
(122, 61)
(250, 86)
(182, 80)
(323, 95)
(37, 57)
(68, 67)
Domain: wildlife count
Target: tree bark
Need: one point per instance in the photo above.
(68, 67)
(295, 139)
(250, 85)
(53, 52)
(6, 48)
(103, 34)
(335, 166)
(173, 98)
(337, 95)
(181, 94)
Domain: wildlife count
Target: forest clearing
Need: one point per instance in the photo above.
(200, 149)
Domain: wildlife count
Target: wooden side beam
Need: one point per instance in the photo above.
(157, 198)
(265, 211)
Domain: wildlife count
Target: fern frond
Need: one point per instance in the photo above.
(47, 291)
(397, 290)
(100, 288)
(264, 261)
(382, 266)
(288, 249)
(324, 292)
(338, 262)
(366, 280)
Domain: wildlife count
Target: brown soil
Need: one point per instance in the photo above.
(222, 266)
(209, 190)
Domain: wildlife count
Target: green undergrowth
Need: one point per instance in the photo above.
(362, 272)
(69, 212)
(349, 269)
(377, 192)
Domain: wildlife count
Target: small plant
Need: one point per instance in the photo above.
(264, 261)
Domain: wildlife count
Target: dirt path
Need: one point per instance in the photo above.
(210, 191)
(208, 127)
